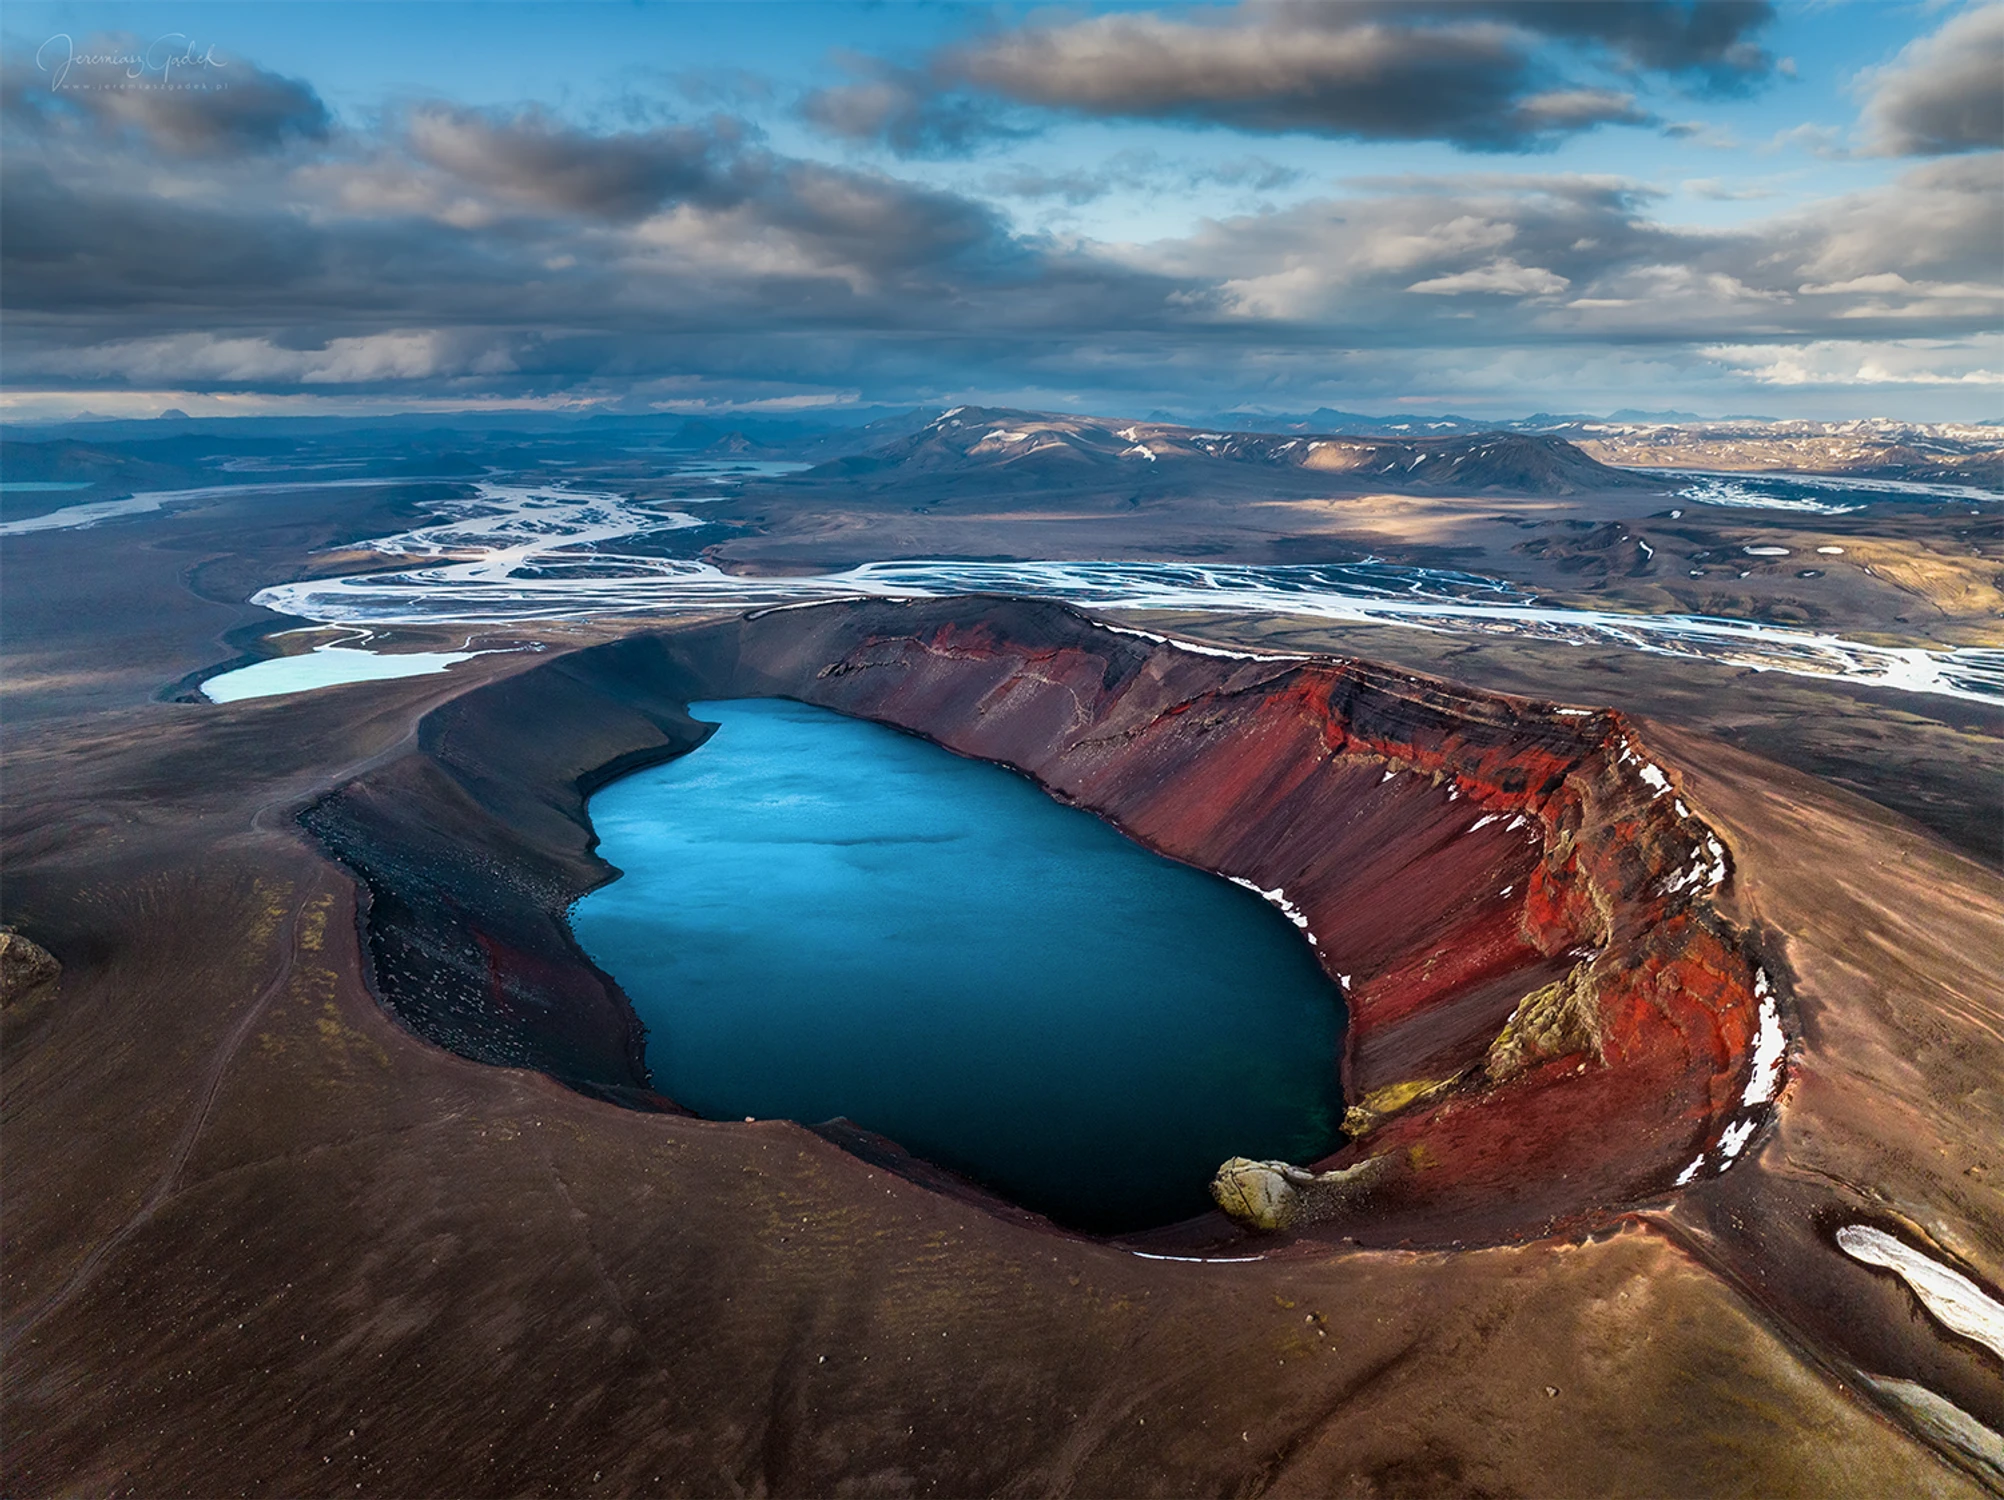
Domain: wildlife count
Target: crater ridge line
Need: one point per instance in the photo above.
(1550, 1018)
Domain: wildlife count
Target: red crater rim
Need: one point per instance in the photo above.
(1550, 1018)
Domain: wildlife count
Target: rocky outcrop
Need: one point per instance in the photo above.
(25, 966)
(1547, 1016)
(1273, 1195)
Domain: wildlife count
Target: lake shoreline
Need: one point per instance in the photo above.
(814, 919)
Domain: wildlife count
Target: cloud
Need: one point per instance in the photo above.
(1382, 262)
(443, 253)
(1853, 363)
(398, 355)
(1284, 70)
(534, 159)
(1577, 109)
(905, 109)
(1251, 172)
(1140, 171)
(1936, 221)
(179, 98)
(1481, 74)
(1501, 275)
(1716, 191)
(1711, 39)
(1944, 93)
(1563, 259)
(1822, 141)
(1889, 296)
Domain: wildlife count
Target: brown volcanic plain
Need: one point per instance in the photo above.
(262, 1237)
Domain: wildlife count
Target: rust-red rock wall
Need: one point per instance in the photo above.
(1451, 852)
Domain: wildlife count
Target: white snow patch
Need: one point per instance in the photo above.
(1685, 1176)
(1765, 551)
(1197, 648)
(1200, 1260)
(1484, 821)
(1709, 869)
(1831, 551)
(1770, 1048)
(1958, 1303)
(1277, 897)
(1647, 770)
(1717, 877)
(780, 609)
(1147, 453)
(1735, 1137)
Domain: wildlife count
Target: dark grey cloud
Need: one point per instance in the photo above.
(533, 158)
(1944, 93)
(1712, 39)
(1279, 71)
(1482, 74)
(168, 92)
(461, 218)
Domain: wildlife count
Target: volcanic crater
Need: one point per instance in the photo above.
(1549, 1017)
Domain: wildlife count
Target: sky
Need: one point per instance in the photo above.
(1490, 207)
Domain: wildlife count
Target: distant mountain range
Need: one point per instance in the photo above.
(1628, 420)
(1543, 453)
(1433, 424)
(1045, 446)
(1869, 447)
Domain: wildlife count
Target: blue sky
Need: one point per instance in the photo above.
(1498, 206)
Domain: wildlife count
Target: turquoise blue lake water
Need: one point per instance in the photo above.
(823, 917)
